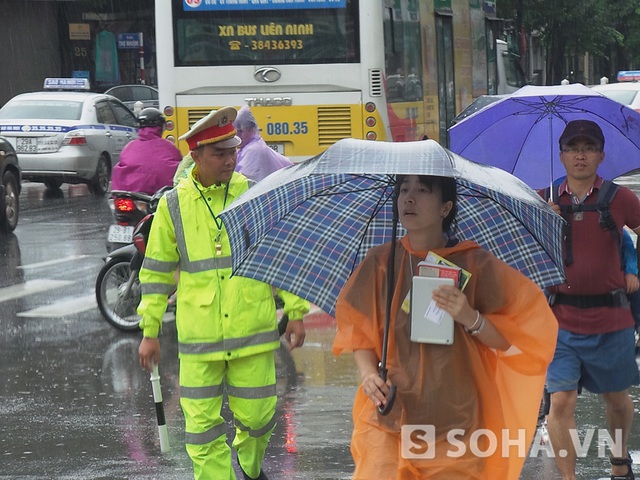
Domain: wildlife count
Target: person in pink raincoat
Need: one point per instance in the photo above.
(148, 163)
(255, 159)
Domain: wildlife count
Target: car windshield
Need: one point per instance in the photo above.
(42, 109)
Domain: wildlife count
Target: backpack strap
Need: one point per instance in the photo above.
(606, 194)
(565, 211)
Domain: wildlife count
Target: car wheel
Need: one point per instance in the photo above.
(99, 184)
(52, 184)
(9, 203)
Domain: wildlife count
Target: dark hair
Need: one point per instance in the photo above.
(448, 193)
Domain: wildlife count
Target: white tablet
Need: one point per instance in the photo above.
(429, 324)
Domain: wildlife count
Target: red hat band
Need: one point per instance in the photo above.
(213, 134)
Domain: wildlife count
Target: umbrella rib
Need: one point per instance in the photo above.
(481, 195)
(382, 200)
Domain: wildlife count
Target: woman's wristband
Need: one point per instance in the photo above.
(473, 330)
(471, 327)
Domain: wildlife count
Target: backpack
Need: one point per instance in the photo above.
(606, 195)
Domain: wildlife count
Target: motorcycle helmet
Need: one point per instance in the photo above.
(151, 117)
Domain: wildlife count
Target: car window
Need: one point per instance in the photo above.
(622, 96)
(626, 97)
(104, 113)
(124, 116)
(121, 93)
(42, 109)
(143, 93)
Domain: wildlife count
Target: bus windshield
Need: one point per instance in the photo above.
(279, 36)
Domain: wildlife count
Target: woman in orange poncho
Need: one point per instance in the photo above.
(469, 409)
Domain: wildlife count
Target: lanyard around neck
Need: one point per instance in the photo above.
(213, 215)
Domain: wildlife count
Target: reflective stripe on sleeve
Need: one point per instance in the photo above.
(159, 265)
(163, 288)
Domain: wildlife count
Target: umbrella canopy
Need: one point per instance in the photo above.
(478, 104)
(305, 228)
(520, 133)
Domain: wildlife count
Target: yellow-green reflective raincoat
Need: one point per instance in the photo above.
(219, 317)
(226, 327)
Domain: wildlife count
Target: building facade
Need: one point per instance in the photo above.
(97, 39)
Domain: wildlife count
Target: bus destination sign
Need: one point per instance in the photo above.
(191, 5)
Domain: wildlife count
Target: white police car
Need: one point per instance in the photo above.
(626, 91)
(68, 136)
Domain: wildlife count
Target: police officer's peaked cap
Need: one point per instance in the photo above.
(215, 129)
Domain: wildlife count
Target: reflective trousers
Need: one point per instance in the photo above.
(250, 385)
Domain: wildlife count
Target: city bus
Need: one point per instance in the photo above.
(316, 71)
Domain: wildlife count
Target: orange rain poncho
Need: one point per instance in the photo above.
(465, 386)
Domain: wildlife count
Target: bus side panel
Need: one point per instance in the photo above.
(300, 131)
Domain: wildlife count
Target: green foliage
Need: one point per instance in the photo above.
(573, 28)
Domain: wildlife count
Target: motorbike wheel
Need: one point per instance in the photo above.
(117, 307)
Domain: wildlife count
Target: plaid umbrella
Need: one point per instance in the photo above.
(306, 228)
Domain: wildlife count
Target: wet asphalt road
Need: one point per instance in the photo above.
(75, 405)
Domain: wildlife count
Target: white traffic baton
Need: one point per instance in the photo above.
(157, 398)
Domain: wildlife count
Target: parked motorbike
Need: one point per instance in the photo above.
(128, 209)
(118, 289)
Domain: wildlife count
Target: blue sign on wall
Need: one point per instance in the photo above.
(128, 40)
(80, 74)
(193, 5)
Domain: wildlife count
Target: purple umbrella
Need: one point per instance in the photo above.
(520, 133)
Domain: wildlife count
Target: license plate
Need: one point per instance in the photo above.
(278, 147)
(120, 234)
(26, 145)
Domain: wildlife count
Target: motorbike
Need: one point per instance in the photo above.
(118, 288)
(128, 209)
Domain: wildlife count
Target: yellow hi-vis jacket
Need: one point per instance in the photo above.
(218, 317)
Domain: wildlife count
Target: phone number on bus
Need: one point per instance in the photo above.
(285, 128)
(276, 44)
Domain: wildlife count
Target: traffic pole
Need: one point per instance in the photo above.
(141, 53)
(157, 398)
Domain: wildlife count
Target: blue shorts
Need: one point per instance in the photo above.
(601, 363)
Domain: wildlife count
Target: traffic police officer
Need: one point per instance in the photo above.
(227, 330)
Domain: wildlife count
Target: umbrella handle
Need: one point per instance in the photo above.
(391, 398)
(382, 367)
(390, 401)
